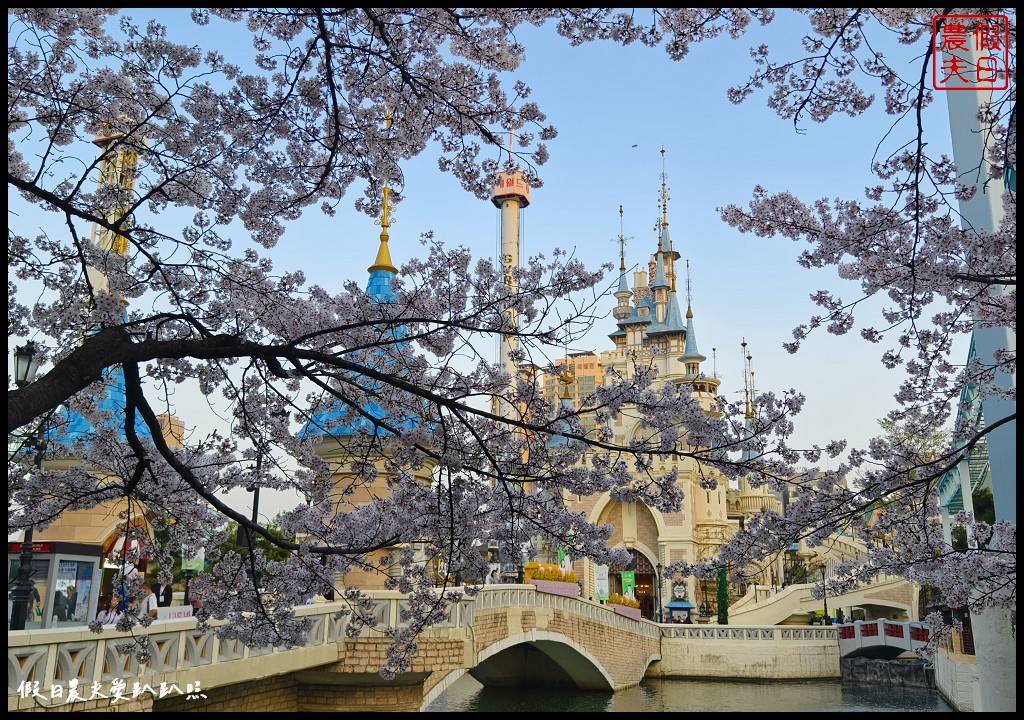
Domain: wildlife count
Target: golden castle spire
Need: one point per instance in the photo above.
(566, 377)
(383, 260)
(665, 248)
(118, 166)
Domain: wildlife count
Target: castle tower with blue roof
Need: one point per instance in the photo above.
(117, 169)
(344, 435)
(653, 328)
(652, 332)
(98, 533)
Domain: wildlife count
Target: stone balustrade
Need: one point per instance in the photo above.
(578, 637)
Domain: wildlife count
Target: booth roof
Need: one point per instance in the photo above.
(680, 605)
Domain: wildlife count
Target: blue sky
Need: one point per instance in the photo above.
(615, 108)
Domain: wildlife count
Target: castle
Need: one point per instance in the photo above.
(652, 331)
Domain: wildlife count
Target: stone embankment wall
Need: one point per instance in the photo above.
(273, 694)
(900, 672)
(956, 677)
(752, 653)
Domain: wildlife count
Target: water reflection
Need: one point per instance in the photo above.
(467, 695)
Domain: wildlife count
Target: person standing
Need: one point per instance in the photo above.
(59, 606)
(493, 578)
(36, 608)
(164, 594)
(147, 603)
(127, 576)
(72, 601)
(110, 615)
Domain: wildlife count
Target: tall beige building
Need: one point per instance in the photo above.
(584, 369)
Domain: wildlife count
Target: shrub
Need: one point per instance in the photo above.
(553, 574)
(616, 599)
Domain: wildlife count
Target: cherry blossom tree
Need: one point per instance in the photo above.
(226, 151)
(906, 241)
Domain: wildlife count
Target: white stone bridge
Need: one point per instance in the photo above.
(882, 638)
(508, 634)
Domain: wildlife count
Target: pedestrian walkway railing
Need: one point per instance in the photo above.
(910, 636)
(58, 656)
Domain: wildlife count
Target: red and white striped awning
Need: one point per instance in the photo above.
(115, 550)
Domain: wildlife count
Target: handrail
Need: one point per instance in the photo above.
(57, 655)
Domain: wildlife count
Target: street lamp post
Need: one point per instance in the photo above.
(705, 606)
(250, 533)
(188, 586)
(25, 367)
(21, 596)
(824, 594)
(657, 594)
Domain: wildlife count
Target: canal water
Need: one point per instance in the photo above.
(467, 695)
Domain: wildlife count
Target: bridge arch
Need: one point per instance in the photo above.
(881, 652)
(540, 657)
(883, 639)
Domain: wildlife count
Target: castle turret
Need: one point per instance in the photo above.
(691, 357)
(341, 431)
(623, 294)
(752, 500)
(665, 248)
(660, 288)
(563, 410)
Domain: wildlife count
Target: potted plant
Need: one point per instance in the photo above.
(554, 580)
(626, 606)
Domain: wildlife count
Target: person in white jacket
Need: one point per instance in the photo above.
(147, 603)
(110, 615)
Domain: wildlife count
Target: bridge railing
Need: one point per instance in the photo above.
(64, 657)
(502, 596)
(913, 636)
(43, 659)
(749, 632)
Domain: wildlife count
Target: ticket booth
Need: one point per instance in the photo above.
(66, 579)
(679, 610)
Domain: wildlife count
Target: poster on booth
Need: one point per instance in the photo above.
(628, 583)
(83, 592)
(66, 574)
(66, 599)
(193, 563)
(601, 583)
